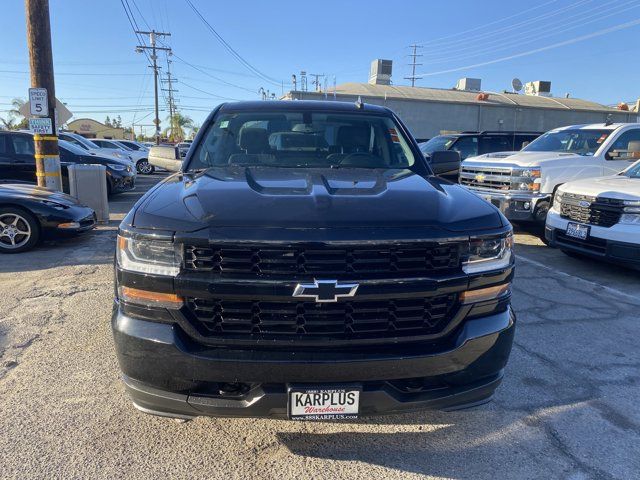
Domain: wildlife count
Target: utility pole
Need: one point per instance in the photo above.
(172, 103)
(47, 154)
(154, 58)
(414, 56)
(316, 80)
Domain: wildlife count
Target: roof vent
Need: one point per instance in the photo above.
(539, 88)
(468, 84)
(380, 73)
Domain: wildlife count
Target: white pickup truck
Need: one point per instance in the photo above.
(521, 184)
(599, 217)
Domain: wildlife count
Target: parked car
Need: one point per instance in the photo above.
(599, 217)
(138, 157)
(472, 144)
(522, 184)
(321, 283)
(29, 214)
(92, 148)
(17, 162)
(183, 147)
(133, 145)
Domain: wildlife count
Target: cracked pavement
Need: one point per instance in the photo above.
(569, 406)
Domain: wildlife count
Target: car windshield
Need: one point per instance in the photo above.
(303, 139)
(580, 142)
(71, 147)
(123, 146)
(633, 171)
(436, 144)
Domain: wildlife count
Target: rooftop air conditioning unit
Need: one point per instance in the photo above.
(539, 87)
(469, 84)
(380, 73)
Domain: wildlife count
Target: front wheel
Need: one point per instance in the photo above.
(143, 167)
(19, 230)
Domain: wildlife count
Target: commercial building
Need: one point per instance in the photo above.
(431, 111)
(87, 127)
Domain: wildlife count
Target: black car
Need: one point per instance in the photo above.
(17, 162)
(29, 213)
(305, 263)
(471, 144)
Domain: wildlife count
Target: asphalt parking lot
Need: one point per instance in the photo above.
(568, 408)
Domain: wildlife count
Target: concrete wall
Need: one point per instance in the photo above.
(427, 119)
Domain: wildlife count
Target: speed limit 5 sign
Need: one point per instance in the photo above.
(38, 101)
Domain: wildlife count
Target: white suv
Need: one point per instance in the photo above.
(521, 184)
(599, 217)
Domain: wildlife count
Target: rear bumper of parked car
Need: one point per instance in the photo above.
(609, 244)
(517, 207)
(167, 373)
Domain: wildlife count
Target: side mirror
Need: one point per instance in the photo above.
(445, 162)
(165, 157)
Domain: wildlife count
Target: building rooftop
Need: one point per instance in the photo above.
(466, 97)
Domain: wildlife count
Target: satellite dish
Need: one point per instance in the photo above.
(516, 83)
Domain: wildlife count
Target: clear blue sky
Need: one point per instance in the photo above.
(98, 72)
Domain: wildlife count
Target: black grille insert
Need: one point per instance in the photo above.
(339, 320)
(411, 260)
(600, 212)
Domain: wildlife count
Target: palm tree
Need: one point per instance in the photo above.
(179, 123)
(11, 121)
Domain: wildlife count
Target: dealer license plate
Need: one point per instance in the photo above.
(324, 403)
(577, 230)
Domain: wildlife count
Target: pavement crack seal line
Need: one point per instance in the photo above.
(633, 298)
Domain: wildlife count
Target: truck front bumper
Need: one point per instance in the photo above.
(517, 207)
(609, 244)
(166, 373)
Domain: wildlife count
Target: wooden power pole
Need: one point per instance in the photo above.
(41, 61)
(153, 35)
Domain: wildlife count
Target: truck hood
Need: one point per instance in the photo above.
(616, 186)
(267, 197)
(520, 159)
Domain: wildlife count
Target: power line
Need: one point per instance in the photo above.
(231, 50)
(525, 36)
(615, 28)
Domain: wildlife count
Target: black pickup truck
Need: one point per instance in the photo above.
(305, 263)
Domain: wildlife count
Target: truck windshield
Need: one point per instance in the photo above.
(633, 171)
(580, 142)
(303, 139)
(436, 144)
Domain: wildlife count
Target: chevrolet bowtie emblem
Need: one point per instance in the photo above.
(480, 177)
(325, 290)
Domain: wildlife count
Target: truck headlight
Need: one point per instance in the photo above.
(148, 256)
(533, 172)
(557, 202)
(488, 254)
(630, 218)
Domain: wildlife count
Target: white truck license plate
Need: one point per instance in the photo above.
(577, 230)
(324, 404)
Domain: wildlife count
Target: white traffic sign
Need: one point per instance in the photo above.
(39, 101)
(41, 125)
(62, 112)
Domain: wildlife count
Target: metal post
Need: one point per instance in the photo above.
(47, 154)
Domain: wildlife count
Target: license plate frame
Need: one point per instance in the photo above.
(579, 231)
(325, 407)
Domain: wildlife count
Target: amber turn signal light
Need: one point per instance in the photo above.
(148, 298)
(483, 294)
